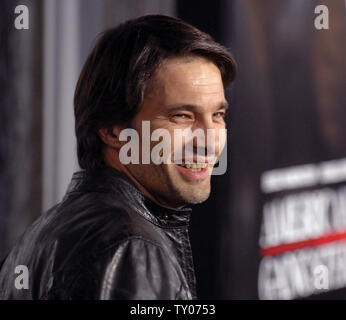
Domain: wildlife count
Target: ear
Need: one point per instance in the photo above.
(110, 136)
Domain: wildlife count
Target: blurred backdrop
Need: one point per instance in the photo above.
(275, 224)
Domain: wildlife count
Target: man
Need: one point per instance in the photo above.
(121, 231)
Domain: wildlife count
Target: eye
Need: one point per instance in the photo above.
(181, 116)
(220, 114)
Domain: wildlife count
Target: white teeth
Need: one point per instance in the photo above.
(195, 166)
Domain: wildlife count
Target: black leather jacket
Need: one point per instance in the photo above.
(105, 240)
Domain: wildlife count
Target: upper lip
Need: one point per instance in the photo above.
(196, 159)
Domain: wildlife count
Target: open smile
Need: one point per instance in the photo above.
(194, 171)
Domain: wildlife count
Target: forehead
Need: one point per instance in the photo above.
(187, 78)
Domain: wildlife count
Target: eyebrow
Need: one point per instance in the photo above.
(193, 107)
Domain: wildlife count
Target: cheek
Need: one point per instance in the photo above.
(220, 140)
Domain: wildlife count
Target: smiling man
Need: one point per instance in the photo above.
(121, 231)
(188, 94)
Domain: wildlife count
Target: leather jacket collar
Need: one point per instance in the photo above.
(108, 179)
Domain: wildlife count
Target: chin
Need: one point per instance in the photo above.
(196, 200)
(199, 196)
(190, 192)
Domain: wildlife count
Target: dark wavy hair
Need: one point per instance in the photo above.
(118, 71)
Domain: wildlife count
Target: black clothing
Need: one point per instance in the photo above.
(105, 240)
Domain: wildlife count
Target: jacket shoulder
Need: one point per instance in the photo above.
(132, 268)
(90, 232)
(67, 240)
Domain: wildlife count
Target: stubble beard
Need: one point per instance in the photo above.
(169, 188)
(181, 192)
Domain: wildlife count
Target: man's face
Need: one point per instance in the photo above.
(187, 93)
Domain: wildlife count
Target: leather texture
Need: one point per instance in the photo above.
(105, 240)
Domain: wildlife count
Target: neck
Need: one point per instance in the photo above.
(112, 160)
